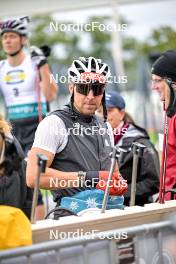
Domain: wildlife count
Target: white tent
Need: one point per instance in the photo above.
(17, 8)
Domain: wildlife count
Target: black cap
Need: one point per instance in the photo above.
(165, 65)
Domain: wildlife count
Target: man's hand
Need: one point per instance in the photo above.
(118, 186)
(38, 56)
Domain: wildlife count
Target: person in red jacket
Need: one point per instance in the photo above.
(164, 82)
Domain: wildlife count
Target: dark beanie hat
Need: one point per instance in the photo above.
(165, 65)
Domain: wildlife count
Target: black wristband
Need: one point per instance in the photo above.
(92, 177)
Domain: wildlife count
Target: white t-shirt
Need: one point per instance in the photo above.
(51, 134)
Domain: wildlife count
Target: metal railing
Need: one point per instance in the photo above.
(105, 247)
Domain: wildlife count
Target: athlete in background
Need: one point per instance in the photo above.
(24, 82)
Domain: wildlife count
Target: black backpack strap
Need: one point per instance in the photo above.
(60, 212)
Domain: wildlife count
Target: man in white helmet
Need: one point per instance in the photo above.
(77, 151)
(20, 76)
(24, 82)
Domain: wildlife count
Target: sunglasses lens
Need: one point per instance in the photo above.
(84, 89)
(98, 89)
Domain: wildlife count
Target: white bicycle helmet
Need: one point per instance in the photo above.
(87, 65)
(17, 25)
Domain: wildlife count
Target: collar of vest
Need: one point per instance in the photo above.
(77, 116)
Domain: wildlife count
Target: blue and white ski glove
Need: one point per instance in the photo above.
(38, 56)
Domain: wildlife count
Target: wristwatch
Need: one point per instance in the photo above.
(82, 177)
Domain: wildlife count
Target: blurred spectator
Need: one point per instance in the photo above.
(164, 82)
(125, 133)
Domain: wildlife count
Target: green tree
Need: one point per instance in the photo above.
(66, 45)
(42, 33)
(161, 39)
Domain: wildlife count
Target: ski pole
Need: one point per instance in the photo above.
(41, 162)
(118, 153)
(39, 104)
(164, 160)
(113, 155)
(138, 150)
(37, 80)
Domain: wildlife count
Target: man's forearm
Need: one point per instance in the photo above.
(53, 179)
(48, 85)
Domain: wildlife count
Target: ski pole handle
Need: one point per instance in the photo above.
(41, 162)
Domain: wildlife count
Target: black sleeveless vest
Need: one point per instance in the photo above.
(88, 152)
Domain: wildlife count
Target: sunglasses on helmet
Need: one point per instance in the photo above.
(85, 88)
